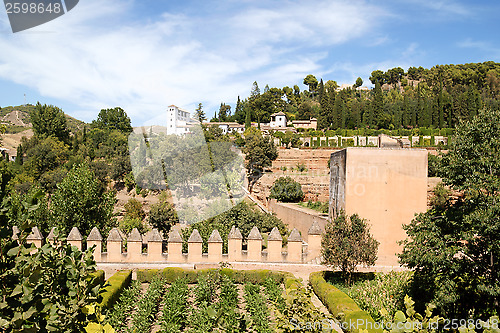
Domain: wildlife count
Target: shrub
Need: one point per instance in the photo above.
(347, 242)
(380, 294)
(129, 181)
(128, 223)
(163, 216)
(171, 274)
(286, 189)
(113, 287)
(340, 305)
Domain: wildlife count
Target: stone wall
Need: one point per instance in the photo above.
(299, 218)
(315, 180)
(149, 248)
(385, 186)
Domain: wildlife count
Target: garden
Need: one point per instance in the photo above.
(221, 300)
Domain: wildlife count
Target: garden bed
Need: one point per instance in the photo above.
(221, 300)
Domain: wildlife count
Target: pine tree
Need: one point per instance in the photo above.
(200, 114)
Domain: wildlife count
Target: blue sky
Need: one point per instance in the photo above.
(144, 55)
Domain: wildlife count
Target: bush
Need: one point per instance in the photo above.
(340, 305)
(433, 165)
(113, 287)
(133, 209)
(380, 294)
(286, 189)
(171, 274)
(128, 223)
(163, 216)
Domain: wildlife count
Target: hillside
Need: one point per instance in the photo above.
(16, 119)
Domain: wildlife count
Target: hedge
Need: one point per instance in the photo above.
(341, 306)
(113, 287)
(170, 274)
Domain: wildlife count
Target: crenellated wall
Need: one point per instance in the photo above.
(149, 250)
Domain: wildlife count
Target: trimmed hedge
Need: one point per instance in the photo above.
(170, 274)
(341, 306)
(110, 292)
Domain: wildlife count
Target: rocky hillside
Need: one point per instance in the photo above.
(16, 119)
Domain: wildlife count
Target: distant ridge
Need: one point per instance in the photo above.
(17, 119)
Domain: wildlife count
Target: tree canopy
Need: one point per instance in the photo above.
(454, 247)
(113, 119)
(49, 120)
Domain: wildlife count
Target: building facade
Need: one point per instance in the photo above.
(387, 187)
(179, 121)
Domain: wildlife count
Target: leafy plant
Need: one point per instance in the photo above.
(45, 289)
(347, 242)
(286, 189)
(148, 306)
(175, 307)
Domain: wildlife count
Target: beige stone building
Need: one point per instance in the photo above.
(385, 186)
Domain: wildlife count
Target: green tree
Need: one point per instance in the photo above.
(454, 247)
(48, 290)
(113, 119)
(312, 82)
(224, 112)
(259, 153)
(48, 120)
(133, 209)
(200, 114)
(163, 216)
(359, 83)
(378, 106)
(285, 189)
(325, 115)
(80, 201)
(347, 242)
(377, 76)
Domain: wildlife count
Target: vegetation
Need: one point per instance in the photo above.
(44, 290)
(162, 215)
(438, 97)
(453, 247)
(285, 189)
(259, 154)
(379, 294)
(319, 206)
(340, 305)
(81, 202)
(243, 217)
(346, 243)
(48, 120)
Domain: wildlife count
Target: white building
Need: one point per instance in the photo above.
(228, 127)
(278, 120)
(179, 121)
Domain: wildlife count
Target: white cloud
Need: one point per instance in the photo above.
(99, 55)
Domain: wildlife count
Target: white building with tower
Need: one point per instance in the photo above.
(278, 120)
(179, 121)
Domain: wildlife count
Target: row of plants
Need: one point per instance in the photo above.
(379, 294)
(319, 206)
(213, 303)
(388, 308)
(147, 307)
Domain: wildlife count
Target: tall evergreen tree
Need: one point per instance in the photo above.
(200, 114)
(325, 111)
(378, 104)
(248, 117)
